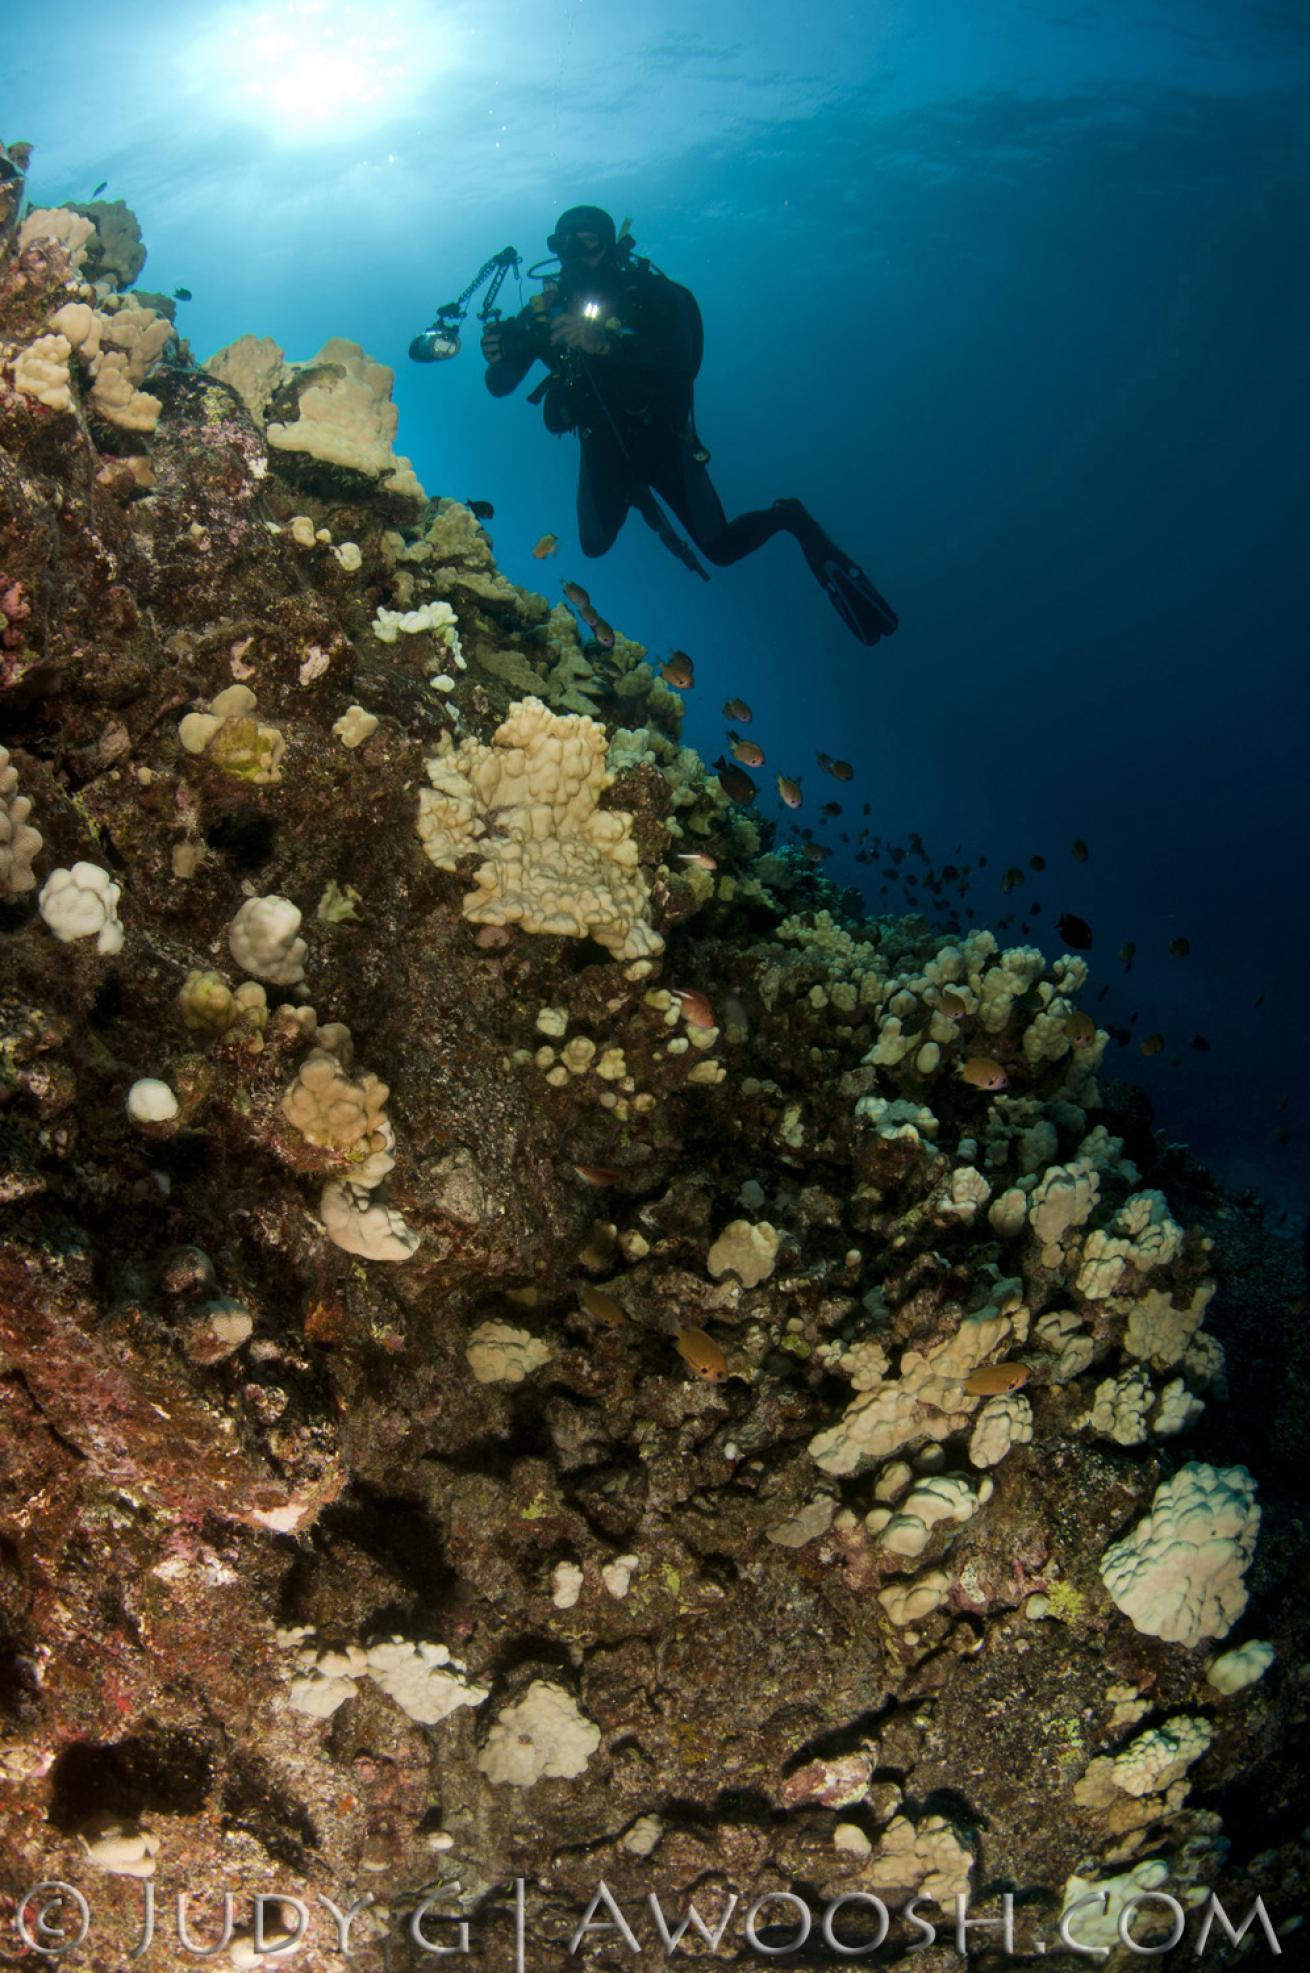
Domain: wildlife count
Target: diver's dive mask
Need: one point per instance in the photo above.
(575, 246)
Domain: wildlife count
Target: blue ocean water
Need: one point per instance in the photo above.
(1014, 297)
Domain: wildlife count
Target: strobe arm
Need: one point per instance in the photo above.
(441, 338)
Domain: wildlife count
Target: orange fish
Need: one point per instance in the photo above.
(1152, 1044)
(745, 751)
(597, 1174)
(984, 1072)
(843, 770)
(1081, 1030)
(700, 859)
(702, 1354)
(952, 1006)
(696, 1009)
(546, 546)
(789, 790)
(993, 1380)
(604, 1307)
(679, 671)
(602, 633)
(814, 852)
(575, 593)
(738, 710)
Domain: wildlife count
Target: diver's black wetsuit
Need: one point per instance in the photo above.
(632, 410)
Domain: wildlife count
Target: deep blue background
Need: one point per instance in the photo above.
(1014, 296)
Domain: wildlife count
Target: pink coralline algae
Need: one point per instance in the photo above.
(14, 606)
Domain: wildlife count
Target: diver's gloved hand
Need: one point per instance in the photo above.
(493, 342)
(576, 332)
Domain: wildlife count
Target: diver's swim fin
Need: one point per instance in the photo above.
(866, 614)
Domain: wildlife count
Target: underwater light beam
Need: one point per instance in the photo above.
(315, 68)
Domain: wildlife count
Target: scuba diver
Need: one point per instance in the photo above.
(622, 344)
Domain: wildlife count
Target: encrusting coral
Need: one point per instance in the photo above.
(343, 414)
(635, 1288)
(20, 843)
(553, 860)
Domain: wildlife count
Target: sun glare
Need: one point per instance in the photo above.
(315, 68)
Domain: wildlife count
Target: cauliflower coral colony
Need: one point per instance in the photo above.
(526, 1353)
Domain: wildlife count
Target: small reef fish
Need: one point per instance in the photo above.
(1074, 931)
(994, 1380)
(602, 632)
(103, 186)
(181, 294)
(597, 1174)
(842, 770)
(546, 546)
(700, 859)
(696, 1009)
(746, 751)
(1037, 863)
(1200, 1044)
(1180, 947)
(1012, 879)
(830, 808)
(679, 671)
(983, 1072)
(1079, 851)
(789, 790)
(604, 1307)
(952, 1006)
(734, 1012)
(575, 593)
(1081, 1030)
(702, 1354)
(738, 787)
(1152, 1044)
(815, 852)
(481, 510)
(738, 710)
